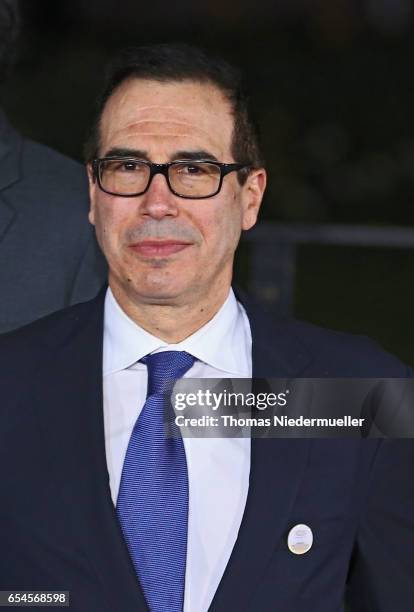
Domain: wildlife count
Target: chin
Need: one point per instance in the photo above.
(157, 292)
(160, 298)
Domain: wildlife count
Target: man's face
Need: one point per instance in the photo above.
(160, 248)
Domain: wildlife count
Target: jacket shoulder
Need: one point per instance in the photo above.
(299, 348)
(337, 353)
(42, 337)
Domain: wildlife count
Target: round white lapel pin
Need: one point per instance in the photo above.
(300, 539)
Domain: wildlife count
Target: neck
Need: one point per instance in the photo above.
(172, 323)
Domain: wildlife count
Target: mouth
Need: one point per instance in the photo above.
(159, 248)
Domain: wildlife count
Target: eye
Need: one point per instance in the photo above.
(195, 169)
(191, 169)
(128, 166)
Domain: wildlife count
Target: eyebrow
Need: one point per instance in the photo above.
(194, 155)
(120, 152)
(177, 155)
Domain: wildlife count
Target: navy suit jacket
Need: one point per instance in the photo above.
(58, 526)
(48, 252)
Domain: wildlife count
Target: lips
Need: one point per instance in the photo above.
(159, 248)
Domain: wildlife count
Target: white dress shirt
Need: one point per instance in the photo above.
(218, 468)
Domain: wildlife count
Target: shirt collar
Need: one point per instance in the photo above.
(125, 342)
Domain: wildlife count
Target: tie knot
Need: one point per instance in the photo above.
(164, 368)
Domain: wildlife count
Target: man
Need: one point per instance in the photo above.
(95, 499)
(49, 256)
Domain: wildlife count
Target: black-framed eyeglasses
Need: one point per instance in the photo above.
(129, 177)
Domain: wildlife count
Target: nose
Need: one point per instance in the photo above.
(158, 201)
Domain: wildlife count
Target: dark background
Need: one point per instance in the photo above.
(333, 89)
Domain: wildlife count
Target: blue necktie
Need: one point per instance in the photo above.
(152, 503)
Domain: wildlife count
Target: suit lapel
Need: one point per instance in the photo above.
(276, 472)
(10, 153)
(69, 395)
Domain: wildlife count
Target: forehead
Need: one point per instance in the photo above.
(163, 117)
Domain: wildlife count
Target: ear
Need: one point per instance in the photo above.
(92, 194)
(253, 191)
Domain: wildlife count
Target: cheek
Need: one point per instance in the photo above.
(225, 224)
(109, 220)
(102, 220)
(108, 228)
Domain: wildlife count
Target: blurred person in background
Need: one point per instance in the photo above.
(49, 258)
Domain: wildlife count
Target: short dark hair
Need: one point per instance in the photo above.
(9, 32)
(182, 62)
